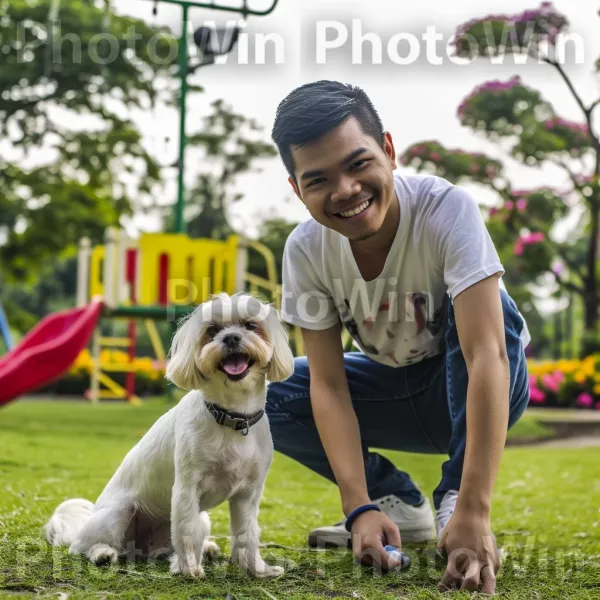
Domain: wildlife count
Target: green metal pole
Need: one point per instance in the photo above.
(183, 72)
(179, 208)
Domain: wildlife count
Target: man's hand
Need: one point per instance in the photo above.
(371, 531)
(473, 557)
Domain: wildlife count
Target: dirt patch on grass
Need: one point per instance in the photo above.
(585, 441)
(571, 434)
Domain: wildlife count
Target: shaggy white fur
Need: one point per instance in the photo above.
(224, 353)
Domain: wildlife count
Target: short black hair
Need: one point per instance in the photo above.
(313, 109)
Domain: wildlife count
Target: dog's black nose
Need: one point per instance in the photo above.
(231, 340)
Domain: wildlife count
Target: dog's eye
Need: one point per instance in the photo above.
(251, 326)
(213, 330)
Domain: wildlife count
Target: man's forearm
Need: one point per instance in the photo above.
(487, 423)
(338, 428)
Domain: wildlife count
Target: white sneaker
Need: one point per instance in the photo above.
(445, 511)
(416, 524)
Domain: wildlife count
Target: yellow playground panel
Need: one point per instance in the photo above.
(162, 269)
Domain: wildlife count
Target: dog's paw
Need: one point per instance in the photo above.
(211, 549)
(269, 571)
(261, 569)
(197, 572)
(103, 554)
(180, 568)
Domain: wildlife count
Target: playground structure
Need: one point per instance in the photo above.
(160, 276)
(156, 277)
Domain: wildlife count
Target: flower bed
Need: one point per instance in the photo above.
(569, 383)
(149, 375)
(559, 383)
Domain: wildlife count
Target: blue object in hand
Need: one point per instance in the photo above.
(398, 555)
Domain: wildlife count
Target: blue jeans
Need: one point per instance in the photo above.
(420, 408)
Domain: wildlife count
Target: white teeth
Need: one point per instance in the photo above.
(357, 210)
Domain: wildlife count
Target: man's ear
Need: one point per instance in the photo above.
(295, 188)
(388, 147)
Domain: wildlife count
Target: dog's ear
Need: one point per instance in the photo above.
(281, 365)
(181, 368)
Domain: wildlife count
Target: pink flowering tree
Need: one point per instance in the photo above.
(523, 224)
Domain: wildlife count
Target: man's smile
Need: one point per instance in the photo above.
(356, 210)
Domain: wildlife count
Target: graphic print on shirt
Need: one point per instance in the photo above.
(426, 328)
(418, 318)
(350, 324)
(440, 317)
(431, 326)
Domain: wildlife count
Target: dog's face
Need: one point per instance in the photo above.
(230, 341)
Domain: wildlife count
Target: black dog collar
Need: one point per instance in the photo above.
(233, 420)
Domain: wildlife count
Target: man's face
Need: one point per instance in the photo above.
(345, 180)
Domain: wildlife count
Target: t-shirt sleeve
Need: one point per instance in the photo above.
(460, 242)
(305, 299)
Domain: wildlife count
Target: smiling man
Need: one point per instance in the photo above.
(406, 264)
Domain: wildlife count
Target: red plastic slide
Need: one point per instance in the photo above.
(47, 351)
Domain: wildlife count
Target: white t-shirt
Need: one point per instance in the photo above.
(441, 248)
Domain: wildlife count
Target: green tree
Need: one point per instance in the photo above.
(273, 234)
(230, 145)
(72, 162)
(524, 223)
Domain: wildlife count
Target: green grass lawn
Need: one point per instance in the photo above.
(546, 516)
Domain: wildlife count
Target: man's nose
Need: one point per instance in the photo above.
(346, 188)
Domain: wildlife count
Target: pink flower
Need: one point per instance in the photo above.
(489, 86)
(585, 400)
(474, 168)
(597, 407)
(549, 383)
(553, 380)
(493, 211)
(538, 236)
(509, 204)
(544, 21)
(536, 395)
(518, 249)
(556, 122)
(557, 268)
(521, 204)
(490, 171)
(434, 156)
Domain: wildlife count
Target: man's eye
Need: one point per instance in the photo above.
(359, 163)
(315, 181)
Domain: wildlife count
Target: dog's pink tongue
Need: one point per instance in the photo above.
(234, 365)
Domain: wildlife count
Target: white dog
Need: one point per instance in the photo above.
(215, 445)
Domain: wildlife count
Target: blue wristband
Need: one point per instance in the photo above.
(358, 511)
